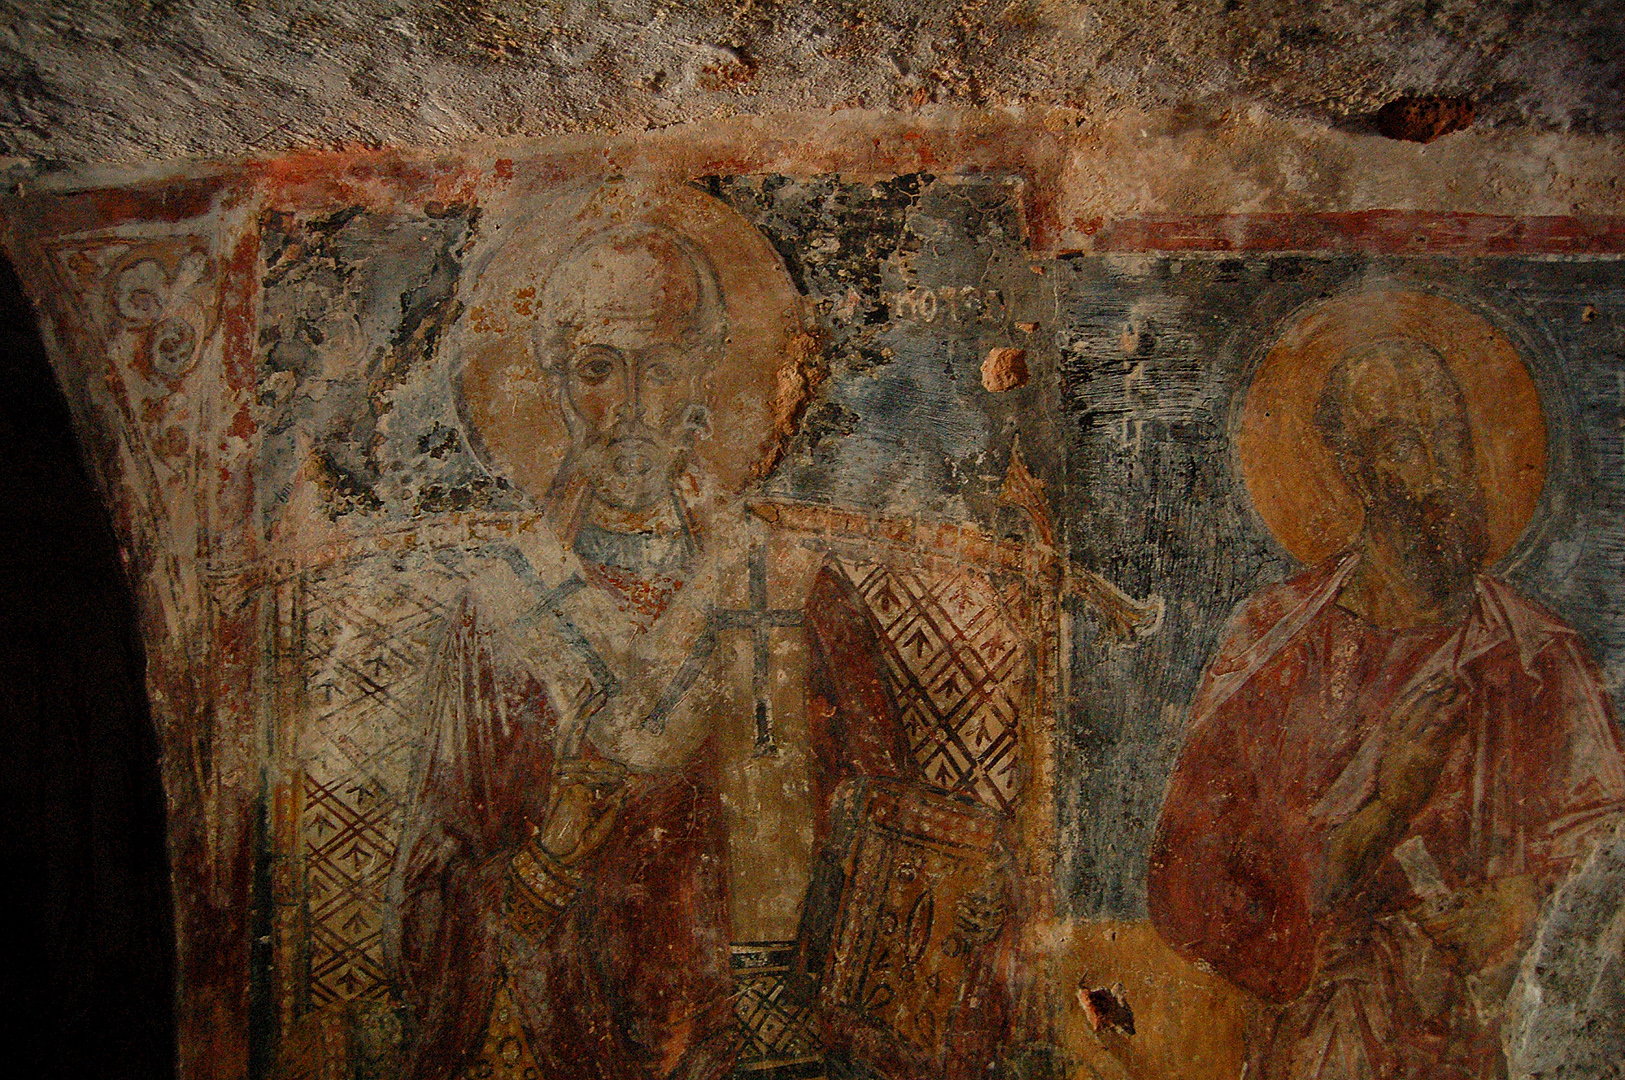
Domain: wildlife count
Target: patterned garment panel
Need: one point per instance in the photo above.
(958, 672)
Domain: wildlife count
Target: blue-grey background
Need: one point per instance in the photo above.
(1156, 352)
(1137, 365)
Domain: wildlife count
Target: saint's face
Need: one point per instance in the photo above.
(638, 393)
(1411, 456)
(637, 334)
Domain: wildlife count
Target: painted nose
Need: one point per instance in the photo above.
(627, 407)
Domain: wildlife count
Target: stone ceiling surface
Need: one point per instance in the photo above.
(139, 83)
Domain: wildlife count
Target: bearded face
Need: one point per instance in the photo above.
(1398, 426)
(637, 331)
(640, 411)
(1420, 496)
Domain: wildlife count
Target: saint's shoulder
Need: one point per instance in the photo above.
(1523, 614)
(1269, 604)
(1539, 634)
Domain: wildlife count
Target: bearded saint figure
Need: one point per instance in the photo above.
(563, 905)
(1392, 759)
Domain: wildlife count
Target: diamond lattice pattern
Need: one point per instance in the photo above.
(957, 667)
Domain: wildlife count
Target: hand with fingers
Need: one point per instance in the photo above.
(1483, 925)
(587, 795)
(544, 875)
(1418, 736)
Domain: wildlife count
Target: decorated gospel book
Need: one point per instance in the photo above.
(901, 865)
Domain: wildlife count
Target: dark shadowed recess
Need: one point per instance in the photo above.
(87, 945)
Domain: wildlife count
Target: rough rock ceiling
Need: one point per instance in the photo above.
(139, 82)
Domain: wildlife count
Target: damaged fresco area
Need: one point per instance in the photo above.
(788, 626)
(325, 304)
(615, 465)
(1157, 356)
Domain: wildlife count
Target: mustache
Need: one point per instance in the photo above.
(628, 453)
(693, 423)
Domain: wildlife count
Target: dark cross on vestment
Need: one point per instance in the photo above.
(759, 619)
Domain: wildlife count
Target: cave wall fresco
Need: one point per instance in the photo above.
(271, 364)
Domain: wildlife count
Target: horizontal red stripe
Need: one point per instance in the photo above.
(1369, 231)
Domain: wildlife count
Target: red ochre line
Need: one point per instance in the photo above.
(1382, 232)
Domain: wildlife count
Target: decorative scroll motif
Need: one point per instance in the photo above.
(151, 306)
(154, 302)
(958, 671)
(159, 292)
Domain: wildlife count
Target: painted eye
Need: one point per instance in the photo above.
(658, 374)
(1453, 441)
(594, 366)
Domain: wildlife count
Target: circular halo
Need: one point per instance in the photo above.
(1290, 472)
(509, 403)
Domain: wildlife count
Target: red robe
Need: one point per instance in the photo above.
(638, 971)
(1285, 738)
(635, 975)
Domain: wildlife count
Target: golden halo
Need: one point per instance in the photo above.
(1289, 471)
(509, 403)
